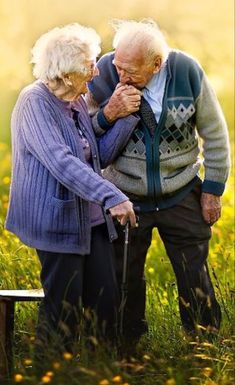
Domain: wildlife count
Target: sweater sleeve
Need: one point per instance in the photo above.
(114, 140)
(45, 142)
(213, 130)
(99, 122)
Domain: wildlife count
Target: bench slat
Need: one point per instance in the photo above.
(22, 295)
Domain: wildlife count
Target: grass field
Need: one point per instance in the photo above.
(166, 355)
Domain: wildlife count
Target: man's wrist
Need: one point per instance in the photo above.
(103, 121)
(109, 115)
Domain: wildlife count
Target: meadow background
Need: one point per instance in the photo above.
(166, 356)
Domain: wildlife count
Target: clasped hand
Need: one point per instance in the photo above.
(124, 101)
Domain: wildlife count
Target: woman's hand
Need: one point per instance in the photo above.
(124, 212)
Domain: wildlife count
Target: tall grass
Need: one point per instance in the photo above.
(165, 354)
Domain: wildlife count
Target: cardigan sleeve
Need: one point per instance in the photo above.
(44, 141)
(114, 140)
(212, 128)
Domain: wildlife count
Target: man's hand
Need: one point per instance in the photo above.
(124, 212)
(211, 207)
(124, 101)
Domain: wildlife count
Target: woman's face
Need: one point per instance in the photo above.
(79, 80)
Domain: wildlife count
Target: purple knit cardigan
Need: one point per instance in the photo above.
(51, 184)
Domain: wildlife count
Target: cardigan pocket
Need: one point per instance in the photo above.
(62, 218)
(60, 203)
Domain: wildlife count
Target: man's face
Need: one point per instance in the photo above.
(133, 68)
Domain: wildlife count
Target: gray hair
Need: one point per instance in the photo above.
(144, 33)
(64, 50)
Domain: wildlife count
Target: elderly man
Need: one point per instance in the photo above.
(158, 169)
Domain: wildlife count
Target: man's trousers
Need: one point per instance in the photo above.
(186, 238)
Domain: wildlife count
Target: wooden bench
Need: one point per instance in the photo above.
(7, 312)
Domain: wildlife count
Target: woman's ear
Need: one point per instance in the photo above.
(66, 79)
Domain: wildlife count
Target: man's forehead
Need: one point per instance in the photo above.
(125, 64)
(129, 57)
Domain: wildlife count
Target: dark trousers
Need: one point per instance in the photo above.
(186, 238)
(79, 286)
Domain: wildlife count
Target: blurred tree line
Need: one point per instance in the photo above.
(202, 28)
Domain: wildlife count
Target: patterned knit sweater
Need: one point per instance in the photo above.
(160, 166)
(52, 184)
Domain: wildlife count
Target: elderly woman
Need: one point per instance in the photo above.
(59, 202)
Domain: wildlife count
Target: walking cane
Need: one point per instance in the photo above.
(124, 276)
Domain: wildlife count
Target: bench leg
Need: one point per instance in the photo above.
(6, 336)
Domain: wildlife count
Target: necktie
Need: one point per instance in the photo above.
(147, 116)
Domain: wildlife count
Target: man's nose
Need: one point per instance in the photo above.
(123, 77)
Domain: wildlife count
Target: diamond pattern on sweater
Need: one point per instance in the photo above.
(178, 132)
(174, 139)
(180, 115)
(136, 144)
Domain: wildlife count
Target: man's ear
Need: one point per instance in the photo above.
(157, 64)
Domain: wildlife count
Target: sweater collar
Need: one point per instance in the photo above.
(63, 105)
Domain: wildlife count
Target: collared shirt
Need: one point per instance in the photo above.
(153, 92)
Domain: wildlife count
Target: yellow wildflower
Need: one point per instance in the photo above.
(28, 361)
(56, 365)
(151, 270)
(3, 146)
(171, 381)
(18, 377)
(67, 356)
(6, 180)
(146, 357)
(207, 371)
(5, 198)
(50, 374)
(46, 379)
(117, 379)
(104, 382)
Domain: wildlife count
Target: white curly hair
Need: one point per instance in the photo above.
(63, 50)
(144, 33)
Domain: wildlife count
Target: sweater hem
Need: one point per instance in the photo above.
(50, 246)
